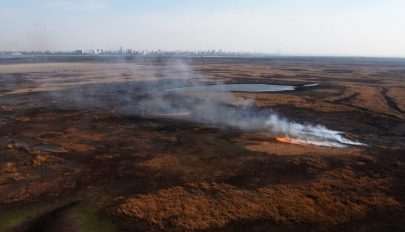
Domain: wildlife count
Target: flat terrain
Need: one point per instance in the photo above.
(79, 153)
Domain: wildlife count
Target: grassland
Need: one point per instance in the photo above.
(74, 157)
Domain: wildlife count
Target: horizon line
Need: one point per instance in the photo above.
(184, 52)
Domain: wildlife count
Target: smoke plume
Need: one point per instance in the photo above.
(167, 98)
(165, 88)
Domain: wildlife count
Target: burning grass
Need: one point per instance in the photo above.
(173, 174)
(287, 140)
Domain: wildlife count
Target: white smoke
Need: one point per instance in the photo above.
(166, 89)
(307, 134)
(224, 109)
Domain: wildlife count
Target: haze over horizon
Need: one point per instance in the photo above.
(298, 27)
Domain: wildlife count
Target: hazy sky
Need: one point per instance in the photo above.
(315, 27)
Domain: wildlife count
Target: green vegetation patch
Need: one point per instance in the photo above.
(89, 219)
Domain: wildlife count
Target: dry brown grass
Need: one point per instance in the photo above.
(284, 149)
(40, 159)
(142, 164)
(398, 95)
(73, 139)
(161, 161)
(208, 205)
(269, 100)
(9, 172)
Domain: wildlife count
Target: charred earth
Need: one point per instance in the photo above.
(100, 144)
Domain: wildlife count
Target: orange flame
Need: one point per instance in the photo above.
(284, 140)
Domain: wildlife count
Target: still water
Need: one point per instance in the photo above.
(255, 88)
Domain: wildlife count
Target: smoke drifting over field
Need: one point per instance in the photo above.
(307, 134)
(156, 89)
(222, 109)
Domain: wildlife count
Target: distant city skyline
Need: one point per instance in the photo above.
(128, 51)
(296, 27)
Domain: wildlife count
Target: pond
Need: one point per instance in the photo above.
(252, 88)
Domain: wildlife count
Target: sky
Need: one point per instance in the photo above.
(292, 27)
